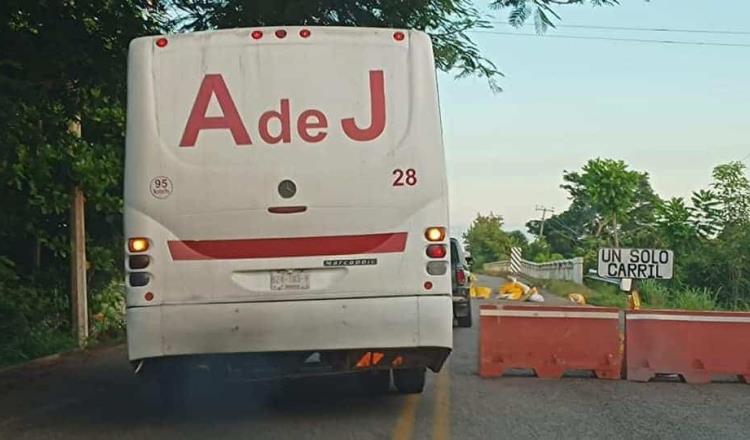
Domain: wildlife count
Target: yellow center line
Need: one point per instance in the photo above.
(405, 423)
(441, 418)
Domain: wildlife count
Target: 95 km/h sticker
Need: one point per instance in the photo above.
(161, 187)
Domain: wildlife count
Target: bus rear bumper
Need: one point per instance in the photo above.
(335, 325)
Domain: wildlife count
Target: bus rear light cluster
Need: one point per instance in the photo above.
(435, 237)
(138, 260)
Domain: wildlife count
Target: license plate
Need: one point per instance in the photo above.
(290, 280)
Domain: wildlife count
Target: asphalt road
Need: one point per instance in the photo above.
(94, 395)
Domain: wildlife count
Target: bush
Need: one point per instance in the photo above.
(108, 312)
(606, 295)
(658, 295)
(654, 294)
(34, 317)
(692, 298)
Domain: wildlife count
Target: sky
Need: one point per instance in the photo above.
(674, 111)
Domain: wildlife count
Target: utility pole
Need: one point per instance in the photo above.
(544, 210)
(78, 295)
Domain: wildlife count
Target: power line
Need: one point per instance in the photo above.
(564, 225)
(564, 234)
(639, 29)
(628, 40)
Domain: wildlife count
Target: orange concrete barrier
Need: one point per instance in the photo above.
(695, 345)
(550, 340)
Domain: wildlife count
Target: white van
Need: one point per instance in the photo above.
(286, 205)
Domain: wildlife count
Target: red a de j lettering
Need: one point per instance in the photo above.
(311, 123)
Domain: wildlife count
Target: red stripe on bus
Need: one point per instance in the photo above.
(287, 247)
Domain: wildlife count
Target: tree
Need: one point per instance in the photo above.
(565, 232)
(448, 22)
(706, 213)
(486, 240)
(61, 61)
(518, 239)
(540, 10)
(732, 190)
(614, 193)
(675, 224)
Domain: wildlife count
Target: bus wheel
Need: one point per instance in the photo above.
(409, 381)
(376, 382)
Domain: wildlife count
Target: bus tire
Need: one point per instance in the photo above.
(409, 381)
(173, 392)
(376, 382)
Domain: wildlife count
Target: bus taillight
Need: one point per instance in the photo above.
(436, 251)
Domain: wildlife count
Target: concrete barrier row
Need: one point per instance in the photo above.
(636, 345)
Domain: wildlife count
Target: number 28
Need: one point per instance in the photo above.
(408, 177)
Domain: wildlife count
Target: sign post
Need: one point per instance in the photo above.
(631, 265)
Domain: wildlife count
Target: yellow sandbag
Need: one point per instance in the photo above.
(512, 291)
(483, 292)
(577, 298)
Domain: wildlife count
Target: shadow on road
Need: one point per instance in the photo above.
(99, 396)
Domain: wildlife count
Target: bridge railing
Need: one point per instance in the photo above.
(570, 269)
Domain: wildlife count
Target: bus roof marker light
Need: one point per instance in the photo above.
(162, 42)
(304, 33)
(280, 33)
(256, 35)
(427, 285)
(399, 36)
(148, 296)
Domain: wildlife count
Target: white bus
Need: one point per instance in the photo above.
(286, 206)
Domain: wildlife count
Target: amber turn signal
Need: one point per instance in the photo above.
(435, 233)
(138, 244)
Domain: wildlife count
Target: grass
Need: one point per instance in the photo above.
(34, 345)
(658, 295)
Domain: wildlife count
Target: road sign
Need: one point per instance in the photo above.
(635, 263)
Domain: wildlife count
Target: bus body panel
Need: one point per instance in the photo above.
(289, 326)
(267, 111)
